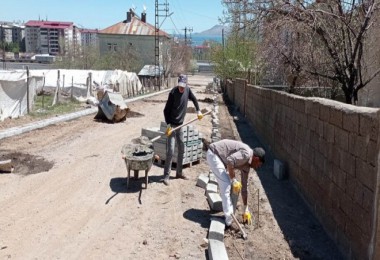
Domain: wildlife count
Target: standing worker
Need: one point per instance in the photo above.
(174, 112)
(224, 157)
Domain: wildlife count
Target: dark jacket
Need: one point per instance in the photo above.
(176, 106)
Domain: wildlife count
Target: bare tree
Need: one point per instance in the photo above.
(322, 39)
(176, 58)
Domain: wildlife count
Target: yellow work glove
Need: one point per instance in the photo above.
(200, 115)
(236, 186)
(169, 130)
(247, 218)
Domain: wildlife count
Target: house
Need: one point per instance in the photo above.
(136, 33)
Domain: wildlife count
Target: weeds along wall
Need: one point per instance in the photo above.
(331, 151)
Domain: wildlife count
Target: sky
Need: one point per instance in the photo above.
(198, 15)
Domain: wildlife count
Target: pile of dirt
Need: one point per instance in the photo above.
(25, 164)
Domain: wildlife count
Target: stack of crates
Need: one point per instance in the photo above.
(192, 143)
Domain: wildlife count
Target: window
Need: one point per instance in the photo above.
(112, 47)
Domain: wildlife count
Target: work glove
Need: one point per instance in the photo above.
(200, 115)
(236, 186)
(169, 130)
(247, 218)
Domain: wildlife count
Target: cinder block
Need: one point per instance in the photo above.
(202, 181)
(215, 139)
(217, 250)
(279, 169)
(151, 132)
(212, 178)
(216, 230)
(214, 201)
(211, 187)
(163, 126)
(216, 135)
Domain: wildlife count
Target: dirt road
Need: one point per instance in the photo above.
(70, 200)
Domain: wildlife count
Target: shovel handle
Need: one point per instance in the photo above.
(180, 126)
(244, 235)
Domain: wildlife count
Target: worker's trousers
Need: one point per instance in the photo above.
(170, 148)
(224, 183)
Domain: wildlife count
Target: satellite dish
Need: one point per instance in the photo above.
(144, 8)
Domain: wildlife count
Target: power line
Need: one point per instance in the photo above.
(175, 26)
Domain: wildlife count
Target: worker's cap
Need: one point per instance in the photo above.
(259, 152)
(182, 81)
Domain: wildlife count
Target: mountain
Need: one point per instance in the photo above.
(215, 30)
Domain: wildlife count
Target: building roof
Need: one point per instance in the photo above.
(134, 27)
(49, 24)
(88, 30)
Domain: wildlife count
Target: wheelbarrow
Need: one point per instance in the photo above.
(138, 157)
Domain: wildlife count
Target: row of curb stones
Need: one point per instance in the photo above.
(216, 247)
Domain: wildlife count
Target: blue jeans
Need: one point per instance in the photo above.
(170, 147)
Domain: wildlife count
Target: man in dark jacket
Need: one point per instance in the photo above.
(174, 112)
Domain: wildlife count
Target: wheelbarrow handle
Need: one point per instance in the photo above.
(180, 126)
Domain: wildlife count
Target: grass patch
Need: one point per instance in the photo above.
(43, 107)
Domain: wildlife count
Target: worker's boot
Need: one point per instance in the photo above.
(181, 176)
(165, 180)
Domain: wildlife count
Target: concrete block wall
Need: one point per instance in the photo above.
(240, 84)
(331, 150)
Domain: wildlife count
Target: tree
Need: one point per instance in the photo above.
(176, 59)
(322, 40)
(237, 58)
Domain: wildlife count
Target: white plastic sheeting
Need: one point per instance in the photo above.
(13, 86)
(13, 93)
(126, 83)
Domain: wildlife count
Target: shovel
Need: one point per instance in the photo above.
(180, 126)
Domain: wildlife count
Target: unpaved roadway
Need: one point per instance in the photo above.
(79, 206)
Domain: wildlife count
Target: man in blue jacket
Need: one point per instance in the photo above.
(174, 112)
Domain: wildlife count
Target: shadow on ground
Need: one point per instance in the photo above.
(200, 216)
(303, 232)
(119, 185)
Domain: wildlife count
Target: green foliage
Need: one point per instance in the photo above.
(236, 59)
(10, 46)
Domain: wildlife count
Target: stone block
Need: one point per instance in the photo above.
(217, 250)
(215, 201)
(202, 181)
(212, 178)
(216, 230)
(211, 188)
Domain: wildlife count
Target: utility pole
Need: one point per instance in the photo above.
(187, 30)
(157, 37)
(3, 43)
